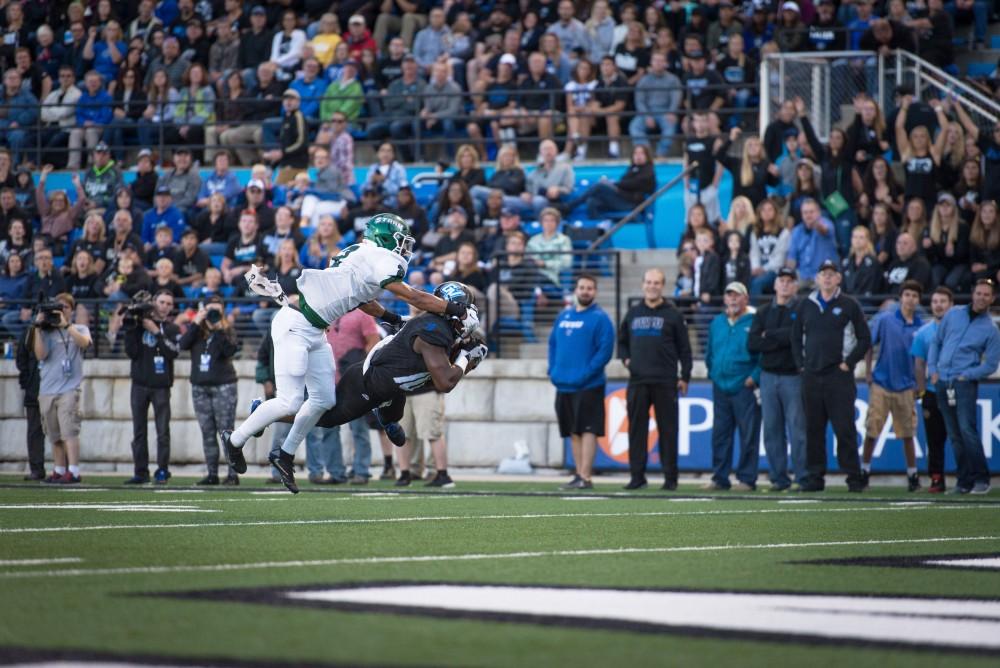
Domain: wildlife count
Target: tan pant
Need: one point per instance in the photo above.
(76, 138)
(243, 135)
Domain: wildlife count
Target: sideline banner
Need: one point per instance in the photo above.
(694, 444)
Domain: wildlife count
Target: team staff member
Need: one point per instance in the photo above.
(212, 342)
(580, 345)
(784, 420)
(829, 337)
(152, 347)
(965, 350)
(892, 386)
(934, 429)
(28, 379)
(735, 375)
(652, 341)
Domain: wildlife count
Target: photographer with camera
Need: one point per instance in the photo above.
(58, 345)
(151, 343)
(212, 342)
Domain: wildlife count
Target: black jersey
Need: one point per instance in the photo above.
(397, 368)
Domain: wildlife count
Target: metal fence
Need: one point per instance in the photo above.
(828, 83)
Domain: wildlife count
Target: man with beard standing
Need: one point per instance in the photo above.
(580, 346)
(652, 340)
(829, 336)
(965, 351)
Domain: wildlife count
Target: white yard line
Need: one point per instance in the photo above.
(111, 507)
(461, 518)
(203, 568)
(40, 562)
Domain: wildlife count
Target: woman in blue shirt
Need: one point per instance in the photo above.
(107, 53)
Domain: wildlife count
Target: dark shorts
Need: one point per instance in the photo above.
(581, 412)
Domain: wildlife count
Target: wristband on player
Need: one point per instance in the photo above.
(455, 309)
(462, 361)
(391, 318)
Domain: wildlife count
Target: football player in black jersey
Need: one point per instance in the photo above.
(430, 353)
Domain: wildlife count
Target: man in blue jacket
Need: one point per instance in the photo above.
(735, 374)
(965, 350)
(580, 346)
(93, 113)
(17, 124)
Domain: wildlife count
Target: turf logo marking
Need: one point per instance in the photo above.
(963, 625)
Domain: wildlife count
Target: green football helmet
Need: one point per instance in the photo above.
(388, 231)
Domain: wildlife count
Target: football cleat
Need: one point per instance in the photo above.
(284, 463)
(254, 404)
(233, 454)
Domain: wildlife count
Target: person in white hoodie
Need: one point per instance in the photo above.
(59, 111)
(287, 46)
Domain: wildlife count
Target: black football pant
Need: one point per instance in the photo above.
(354, 400)
(36, 437)
(663, 399)
(142, 397)
(936, 433)
(830, 398)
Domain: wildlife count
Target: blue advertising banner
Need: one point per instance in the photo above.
(695, 432)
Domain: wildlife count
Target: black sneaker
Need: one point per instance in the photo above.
(441, 480)
(210, 479)
(809, 488)
(636, 484)
(855, 489)
(669, 486)
(232, 479)
(404, 479)
(138, 479)
(574, 483)
(865, 477)
(234, 454)
(285, 464)
(35, 476)
(913, 483)
(388, 473)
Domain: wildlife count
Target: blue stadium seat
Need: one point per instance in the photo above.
(995, 41)
(980, 69)
(216, 260)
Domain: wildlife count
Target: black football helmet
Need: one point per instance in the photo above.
(453, 291)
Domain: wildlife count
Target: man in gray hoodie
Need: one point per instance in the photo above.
(442, 106)
(550, 182)
(658, 96)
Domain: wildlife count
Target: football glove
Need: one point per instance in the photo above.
(261, 285)
(470, 322)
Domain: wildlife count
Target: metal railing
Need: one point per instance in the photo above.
(827, 81)
(35, 150)
(528, 291)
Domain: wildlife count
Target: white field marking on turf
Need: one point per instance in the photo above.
(881, 620)
(178, 491)
(582, 498)
(460, 518)
(614, 551)
(110, 507)
(801, 501)
(40, 562)
(991, 563)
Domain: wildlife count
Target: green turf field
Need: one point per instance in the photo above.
(180, 576)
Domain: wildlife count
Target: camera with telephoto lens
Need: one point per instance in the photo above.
(52, 315)
(213, 316)
(140, 307)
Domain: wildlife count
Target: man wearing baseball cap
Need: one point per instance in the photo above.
(782, 416)
(829, 337)
(735, 374)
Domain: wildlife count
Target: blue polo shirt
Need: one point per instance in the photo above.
(921, 343)
(894, 369)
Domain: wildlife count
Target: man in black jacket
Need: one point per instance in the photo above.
(652, 340)
(783, 417)
(829, 336)
(152, 347)
(28, 378)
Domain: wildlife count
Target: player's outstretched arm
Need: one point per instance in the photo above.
(444, 374)
(425, 301)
